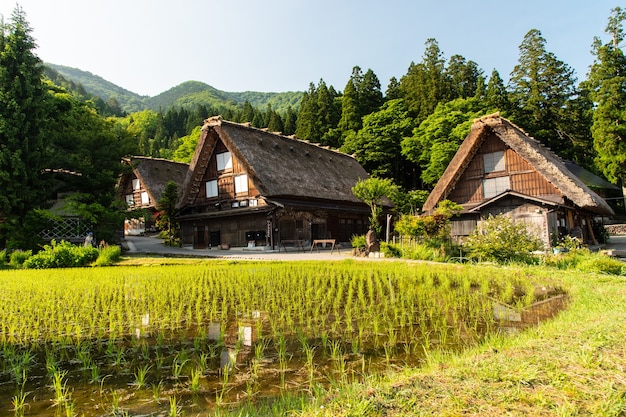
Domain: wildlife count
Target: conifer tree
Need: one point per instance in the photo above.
(607, 81)
(541, 85)
(23, 112)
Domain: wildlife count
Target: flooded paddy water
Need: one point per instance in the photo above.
(185, 340)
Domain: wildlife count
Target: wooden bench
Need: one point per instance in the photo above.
(318, 242)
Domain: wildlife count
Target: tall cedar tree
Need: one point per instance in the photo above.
(607, 80)
(424, 84)
(23, 112)
(540, 87)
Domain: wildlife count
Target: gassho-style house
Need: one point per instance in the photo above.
(247, 187)
(499, 169)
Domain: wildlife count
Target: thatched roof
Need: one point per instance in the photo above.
(541, 158)
(281, 166)
(155, 173)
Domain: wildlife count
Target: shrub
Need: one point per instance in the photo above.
(62, 255)
(359, 242)
(601, 264)
(3, 258)
(424, 252)
(501, 240)
(108, 255)
(390, 251)
(18, 257)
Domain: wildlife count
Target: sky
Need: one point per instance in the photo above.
(150, 46)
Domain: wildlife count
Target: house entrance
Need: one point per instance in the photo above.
(199, 237)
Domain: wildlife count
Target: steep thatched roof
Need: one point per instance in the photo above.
(155, 173)
(541, 158)
(281, 166)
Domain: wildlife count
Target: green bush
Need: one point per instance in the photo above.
(108, 256)
(3, 258)
(390, 251)
(500, 239)
(601, 264)
(424, 252)
(18, 257)
(359, 242)
(62, 255)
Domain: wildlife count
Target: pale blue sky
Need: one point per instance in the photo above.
(149, 46)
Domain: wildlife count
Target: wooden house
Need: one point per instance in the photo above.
(141, 187)
(249, 187)
(499, 169)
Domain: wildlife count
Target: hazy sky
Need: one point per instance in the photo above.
(282, 45)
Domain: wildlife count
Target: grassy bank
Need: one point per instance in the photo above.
(573, 365)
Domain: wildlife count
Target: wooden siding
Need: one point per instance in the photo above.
(225, 179)
(523, 177)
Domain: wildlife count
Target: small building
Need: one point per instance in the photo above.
(248, 187)
(141, 187)
(499, 169)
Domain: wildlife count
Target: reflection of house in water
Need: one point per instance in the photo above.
(141, 187)
(498, 169)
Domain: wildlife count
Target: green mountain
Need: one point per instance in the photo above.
(187, 94)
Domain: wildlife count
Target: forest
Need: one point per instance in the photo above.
(56, 138)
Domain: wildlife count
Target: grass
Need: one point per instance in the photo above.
(574, 365)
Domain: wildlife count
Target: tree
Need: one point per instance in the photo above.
(607, 82)
(496, 95)
(23, 113)
(540, 87)
(436, 140)
(372, 192)
(167, 209)
(424, 85)
(462, 77)
(85, 155)
(377, 145)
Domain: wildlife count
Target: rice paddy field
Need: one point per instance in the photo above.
(194, 339)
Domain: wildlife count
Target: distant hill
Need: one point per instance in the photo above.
(187, 94)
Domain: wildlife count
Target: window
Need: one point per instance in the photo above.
(136, 184)
(494, 161)
(241, 184)
(211, 189)
(253, 203)
(224, 161)
(494, 186)
(130, 200)
(145, 198)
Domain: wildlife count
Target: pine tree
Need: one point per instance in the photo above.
(424, 85)
(541, 85)
(496, 95)
(607, 81)
(23, 112)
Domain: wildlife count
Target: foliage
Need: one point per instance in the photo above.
(372, 192)
(358, 242)
(607, 81)
(423, 252)
(108, 255)
(390, 250)
(167, 210)
(377, 144)
(62, 255)
(582, 259)
(23, 113)
(436, 140)
(435, 226)
(500, 239)
(3, 258)
(18, 257)
(540, 87)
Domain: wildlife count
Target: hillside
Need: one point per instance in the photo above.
(187, 94)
